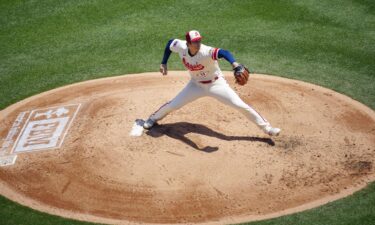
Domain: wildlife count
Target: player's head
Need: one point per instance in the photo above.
(193, 40)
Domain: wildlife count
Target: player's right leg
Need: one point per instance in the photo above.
(188, 94)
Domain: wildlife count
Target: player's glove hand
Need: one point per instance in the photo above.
(241, 74)
(163, 69)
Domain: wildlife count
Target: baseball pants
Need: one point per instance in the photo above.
(219, 90)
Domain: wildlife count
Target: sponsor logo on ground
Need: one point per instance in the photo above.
(39, 129)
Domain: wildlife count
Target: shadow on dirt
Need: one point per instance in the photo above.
(180, 129)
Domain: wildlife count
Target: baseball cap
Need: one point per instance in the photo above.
(192, 36)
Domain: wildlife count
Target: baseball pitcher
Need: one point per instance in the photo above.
(206, 80)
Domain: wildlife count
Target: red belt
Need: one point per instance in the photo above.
(208, 81)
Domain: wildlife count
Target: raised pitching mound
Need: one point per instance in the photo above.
(204, 163)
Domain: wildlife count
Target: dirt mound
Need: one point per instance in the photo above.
(204, 163)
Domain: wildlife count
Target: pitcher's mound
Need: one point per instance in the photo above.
(204, 163)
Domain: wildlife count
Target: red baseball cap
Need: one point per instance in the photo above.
(192, 36)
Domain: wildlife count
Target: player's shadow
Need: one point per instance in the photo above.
(180, 129)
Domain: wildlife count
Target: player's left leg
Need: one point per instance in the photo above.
(225, 94)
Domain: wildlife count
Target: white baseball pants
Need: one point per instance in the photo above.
(219, 90)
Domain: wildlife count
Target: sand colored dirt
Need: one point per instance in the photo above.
(204, 163)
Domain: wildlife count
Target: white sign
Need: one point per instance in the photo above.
(45, 128)
(41, 134)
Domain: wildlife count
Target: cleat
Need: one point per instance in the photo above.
(148, 124)
(272, 131)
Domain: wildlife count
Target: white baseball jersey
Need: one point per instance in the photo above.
(202, 66)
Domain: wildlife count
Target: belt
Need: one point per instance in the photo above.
(208, 81)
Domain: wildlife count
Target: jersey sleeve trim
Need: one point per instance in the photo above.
(176, 45)
(214, 54)
(173, 43)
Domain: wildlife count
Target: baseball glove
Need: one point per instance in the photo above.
(241, 74)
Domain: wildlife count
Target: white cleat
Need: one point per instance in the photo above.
(272, 131)
(149, 123)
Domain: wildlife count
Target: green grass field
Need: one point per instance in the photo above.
(47, 44)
